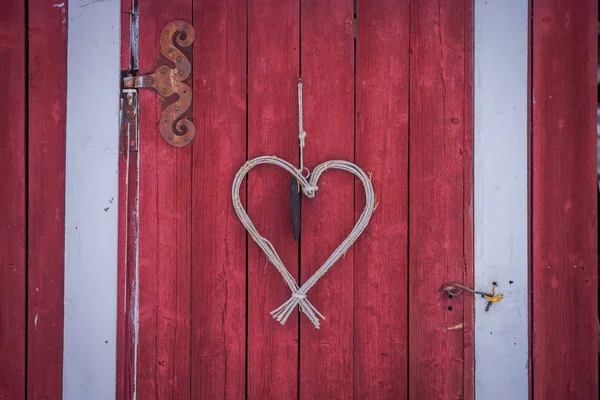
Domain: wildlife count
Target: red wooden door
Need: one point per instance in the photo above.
(387, 86)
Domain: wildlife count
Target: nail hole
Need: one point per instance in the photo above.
(449, 308)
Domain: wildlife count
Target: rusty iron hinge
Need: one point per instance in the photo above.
(175, 126)
(129, 120)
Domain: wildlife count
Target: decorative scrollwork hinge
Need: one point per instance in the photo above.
(175, 126)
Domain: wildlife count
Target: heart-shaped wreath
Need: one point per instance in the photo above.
(309, 189)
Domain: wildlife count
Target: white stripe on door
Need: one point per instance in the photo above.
(501, 197)
(89, 366)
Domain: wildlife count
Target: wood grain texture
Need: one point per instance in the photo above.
(565, 261)
(13, 289)
(381, 255)
(327, 59)
(122, 281)
(468, 208)
(128, 261)
(126, 10)
(218, 332)
(273, 68)
(124, 345)
(163, 355)
(46, 197)
(437, 185)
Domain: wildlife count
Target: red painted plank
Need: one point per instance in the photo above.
(125, 35)
(530, 194)
(565, 261)
(468, 222)
(218, 349)
(128, 251)
(381, 256)
(163, 348)
(273, 68)
(46, 205)
(326, 355)
(122, 308)
(13, 294)
(124, 354)
(437, 189)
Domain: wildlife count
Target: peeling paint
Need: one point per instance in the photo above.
(455, 327)
(135, 317)
(59, 5)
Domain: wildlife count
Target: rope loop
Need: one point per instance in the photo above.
(309, 191)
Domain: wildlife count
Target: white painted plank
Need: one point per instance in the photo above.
(89, 366)
(500, 199)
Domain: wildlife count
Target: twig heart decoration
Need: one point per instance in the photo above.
(309, 189)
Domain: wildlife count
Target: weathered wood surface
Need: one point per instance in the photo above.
(565, 259)
(438, 153)
(13, 268)
(46, 94)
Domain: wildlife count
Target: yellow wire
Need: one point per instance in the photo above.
(494, 299)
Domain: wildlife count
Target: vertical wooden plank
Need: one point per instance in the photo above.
(565, 261)
(273, 67)
(129, 163)
(381, 256)
(468, 208)
(327, 59)
(127, 182)
(126, 11)
(122, 308)
(218, 350)
(46, 196)
(128, 256)
(437, 233)
(163, 285)
(13, 294)
(128, 304)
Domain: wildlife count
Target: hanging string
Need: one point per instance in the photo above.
(301, 133)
